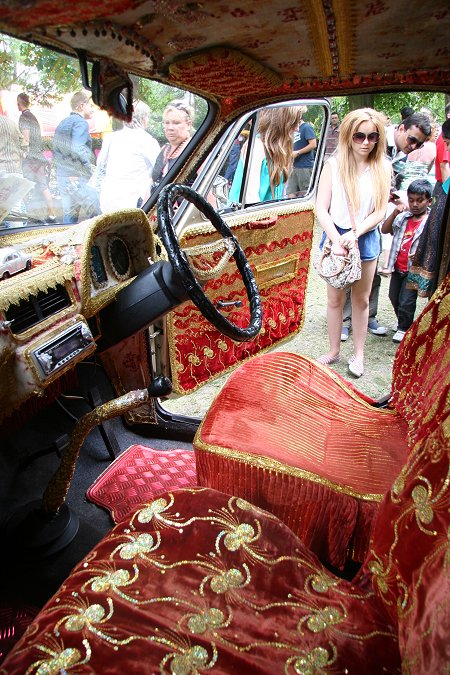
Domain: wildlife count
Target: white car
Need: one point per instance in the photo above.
(12, 261)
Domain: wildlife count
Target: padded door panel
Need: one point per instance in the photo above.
(277, 242)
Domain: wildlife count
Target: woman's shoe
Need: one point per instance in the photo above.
(327, 360)
(355, 366)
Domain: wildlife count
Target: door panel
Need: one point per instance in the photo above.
(277, 242)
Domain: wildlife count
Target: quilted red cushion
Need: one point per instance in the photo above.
(138, 475)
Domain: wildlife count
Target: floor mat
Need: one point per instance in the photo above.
(138, 475)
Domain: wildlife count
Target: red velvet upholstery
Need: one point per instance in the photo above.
(198, 581)
(296, 439)
(409, 560)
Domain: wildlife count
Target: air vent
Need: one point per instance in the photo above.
(37, 308)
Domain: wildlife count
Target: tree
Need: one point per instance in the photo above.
(392, 103)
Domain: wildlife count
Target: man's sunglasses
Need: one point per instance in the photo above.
(373, 137)
(412, 140)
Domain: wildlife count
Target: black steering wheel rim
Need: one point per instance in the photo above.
(181, 265)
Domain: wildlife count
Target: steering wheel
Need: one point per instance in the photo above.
(181, 265)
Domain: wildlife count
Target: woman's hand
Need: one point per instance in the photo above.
(338, 249)
(348, 239)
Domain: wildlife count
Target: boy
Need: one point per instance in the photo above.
(406, 226)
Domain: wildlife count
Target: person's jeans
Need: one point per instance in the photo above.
(403, 299)
(79, 200)
(373, 302)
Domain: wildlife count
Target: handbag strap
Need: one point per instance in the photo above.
(350, 212)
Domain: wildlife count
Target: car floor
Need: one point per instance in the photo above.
(28, 459)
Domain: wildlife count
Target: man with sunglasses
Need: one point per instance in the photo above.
(409, 135)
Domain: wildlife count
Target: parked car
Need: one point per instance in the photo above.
(300, 525)
(12, 261)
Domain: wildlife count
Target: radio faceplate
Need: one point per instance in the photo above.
(57, 352)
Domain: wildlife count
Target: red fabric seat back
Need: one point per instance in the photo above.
(421, 370)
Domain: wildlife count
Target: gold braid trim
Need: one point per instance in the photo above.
(319, 36)
(274, 466)
(245, 217)
(24, 285)
(345, 17)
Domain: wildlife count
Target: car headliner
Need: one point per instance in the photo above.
(252, 51)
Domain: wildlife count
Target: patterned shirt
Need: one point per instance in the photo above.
(398, 230)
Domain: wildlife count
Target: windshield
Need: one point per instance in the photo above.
(62, 158)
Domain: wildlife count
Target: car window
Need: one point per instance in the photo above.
(256, 166)
(64, 159)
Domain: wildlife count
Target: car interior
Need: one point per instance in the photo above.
(290, 522)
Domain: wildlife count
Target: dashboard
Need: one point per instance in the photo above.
(48, 314)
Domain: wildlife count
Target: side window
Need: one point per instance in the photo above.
(274, 155)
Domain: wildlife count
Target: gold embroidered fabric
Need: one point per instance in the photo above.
(197, 581)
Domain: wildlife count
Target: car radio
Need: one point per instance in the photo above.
(57, 352)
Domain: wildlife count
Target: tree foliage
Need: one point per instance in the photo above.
(391, 104)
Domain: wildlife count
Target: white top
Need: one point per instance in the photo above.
(129, 156)
(338, 206)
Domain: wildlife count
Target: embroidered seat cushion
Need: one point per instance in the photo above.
(199, 581)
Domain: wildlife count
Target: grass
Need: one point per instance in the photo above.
(313, 341)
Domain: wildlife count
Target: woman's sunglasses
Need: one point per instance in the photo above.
(373, 137)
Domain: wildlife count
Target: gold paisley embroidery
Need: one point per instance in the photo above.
(222, 345)
(111, 581)
(323, 619)
(378, 576)
(321, 583)
(152, 510)
(423, 508)
(60, 661)
(229, 580)
(193, 659)
(138, 546)
(311, 662)
(208, 620)
(243, 534)
(208, 352)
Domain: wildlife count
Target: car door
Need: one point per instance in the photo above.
(276, 236)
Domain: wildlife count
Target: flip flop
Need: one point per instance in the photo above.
(327, 360)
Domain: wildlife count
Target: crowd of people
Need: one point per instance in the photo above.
(383, 178)
(375, 190)
(129, 165)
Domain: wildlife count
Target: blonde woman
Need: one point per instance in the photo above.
(354, 184)
(178, 118)
(271, 161)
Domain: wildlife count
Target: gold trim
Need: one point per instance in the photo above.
(345, 20)
(45, 338)
(246, 216)
(99, 225)
(40, 278)
(319, 39)
(277, 467)
(41, 326)
(263, 280)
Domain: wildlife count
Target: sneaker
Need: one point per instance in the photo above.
(344, 333)
(375, 328)
(398, 336)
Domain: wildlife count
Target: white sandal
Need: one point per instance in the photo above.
(355, 366)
